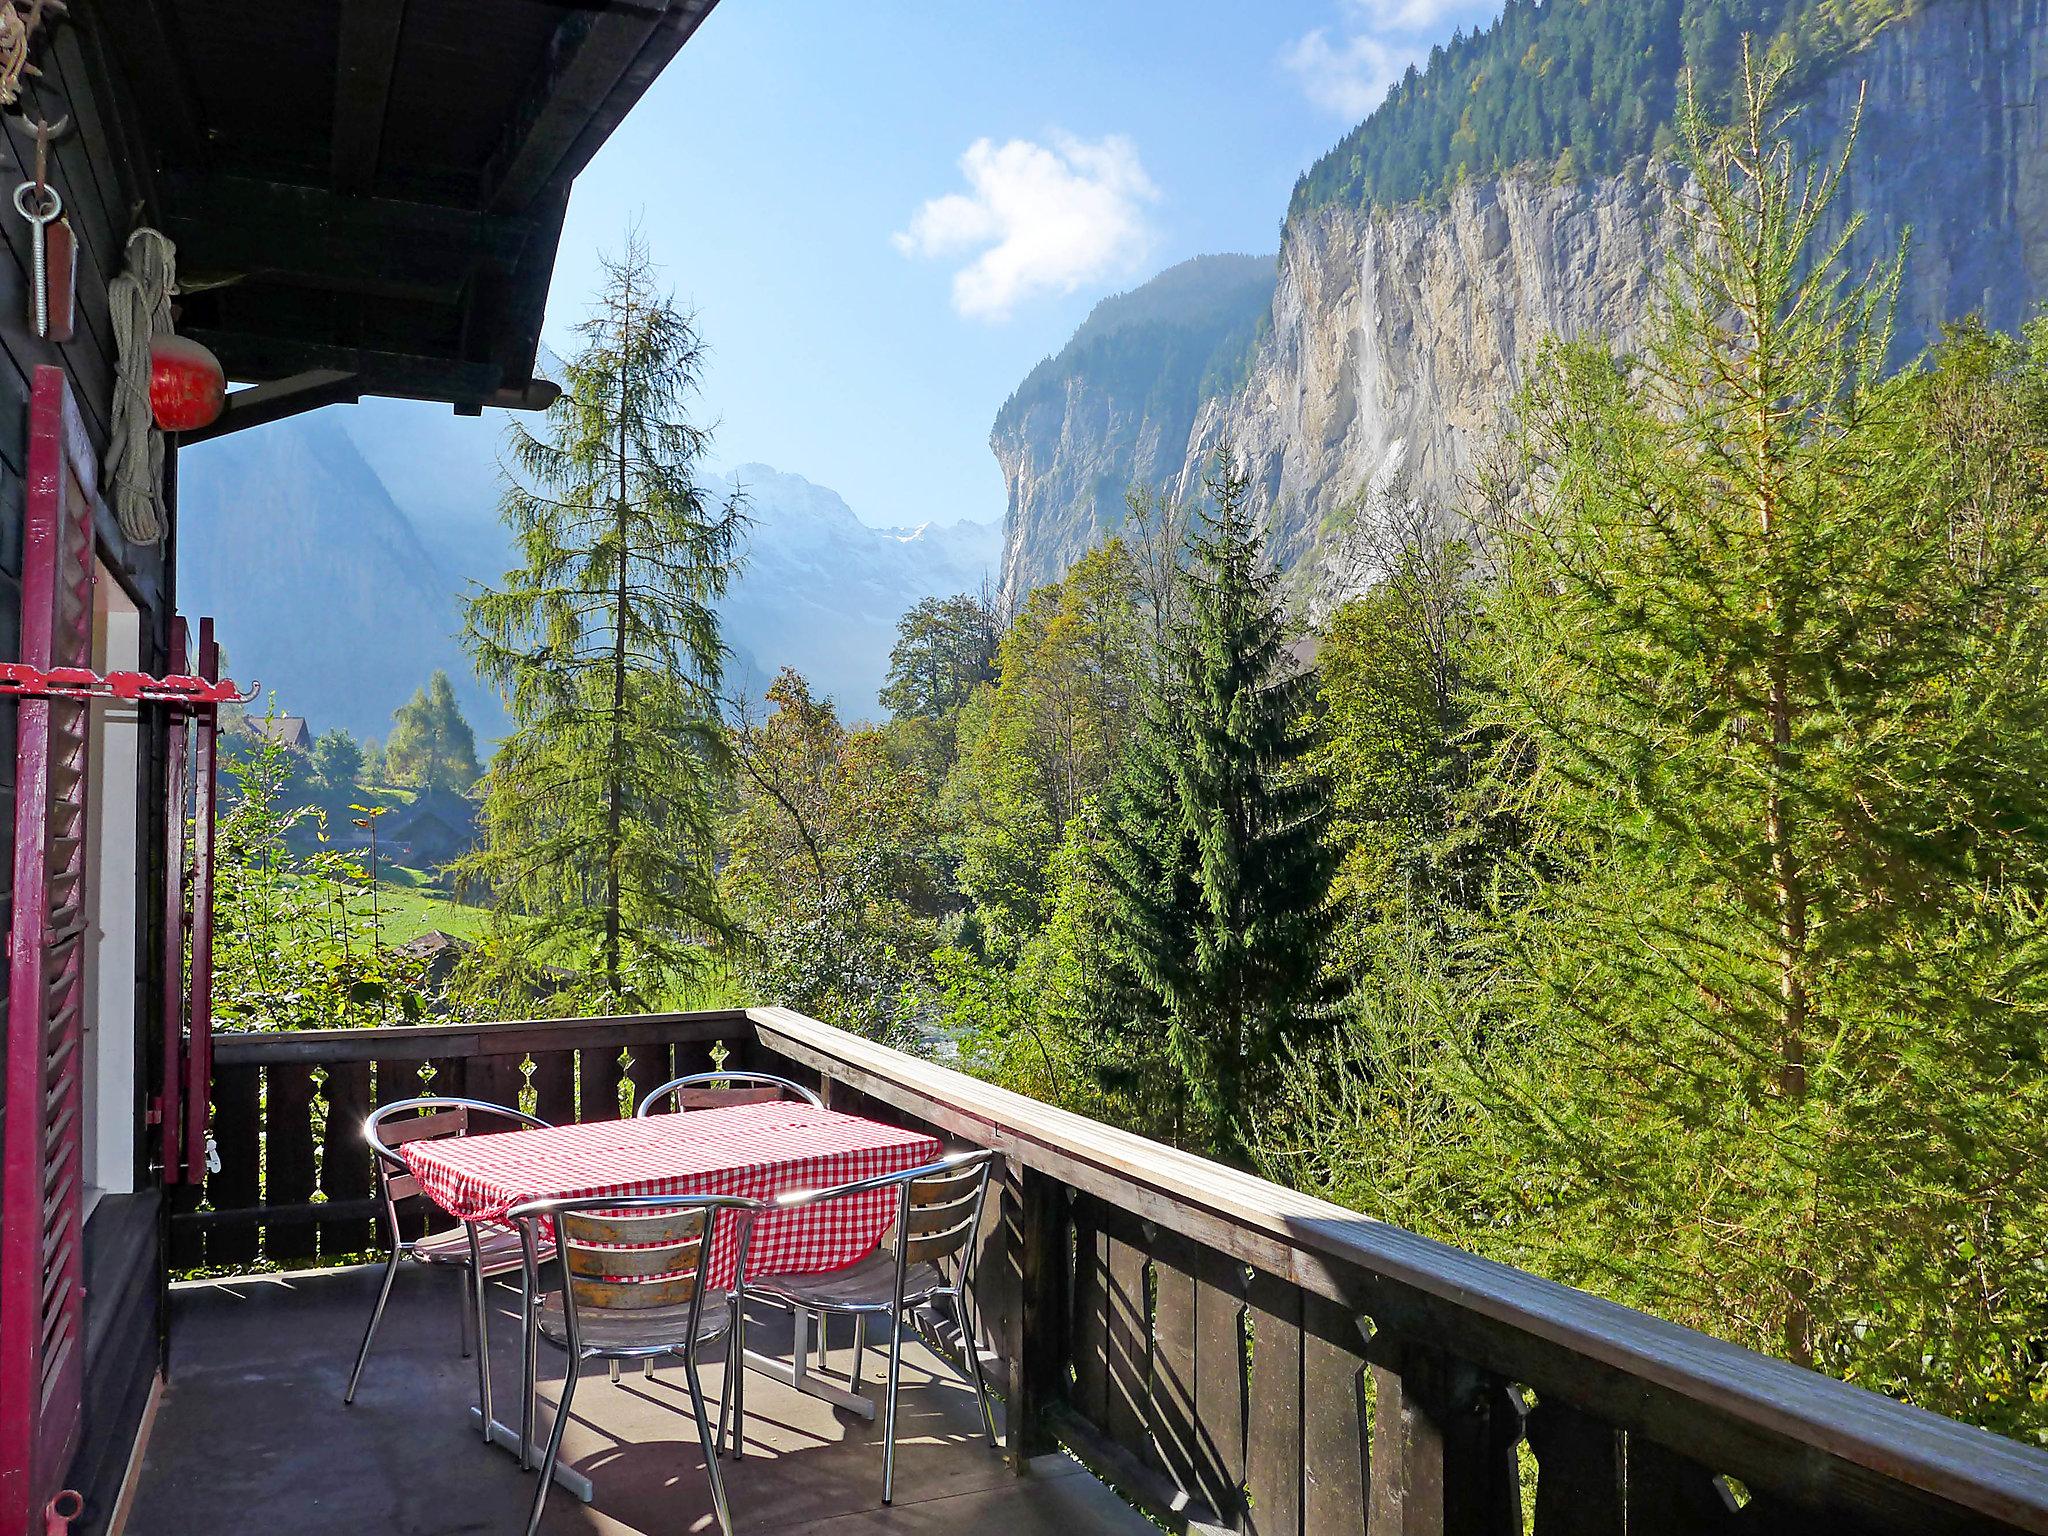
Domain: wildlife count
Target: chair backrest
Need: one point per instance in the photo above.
(427, 1119)
(722, 1090)
(630, 1253)
(941, 1209)
(938, 1208)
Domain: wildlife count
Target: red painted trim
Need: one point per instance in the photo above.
(199, 1061)
(20, 680)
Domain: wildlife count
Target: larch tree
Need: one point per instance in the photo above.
(1767, 651)
(598, 809)
(1214, 851)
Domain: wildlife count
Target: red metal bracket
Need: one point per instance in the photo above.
(20, 680)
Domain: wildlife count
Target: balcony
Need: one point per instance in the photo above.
(1227, 1354)
(252, 1435)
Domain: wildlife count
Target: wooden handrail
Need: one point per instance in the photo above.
(1760, 1419)
(425, 1042)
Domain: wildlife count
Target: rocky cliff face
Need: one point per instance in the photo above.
(1398, 336)
(1116, 406)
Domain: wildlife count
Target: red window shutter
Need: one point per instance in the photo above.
(42, 1334)
(172, 1102)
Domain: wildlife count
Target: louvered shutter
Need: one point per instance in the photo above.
(42, 1337)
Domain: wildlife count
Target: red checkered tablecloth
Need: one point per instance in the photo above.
(756, 1150)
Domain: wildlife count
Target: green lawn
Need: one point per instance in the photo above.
(406, 910)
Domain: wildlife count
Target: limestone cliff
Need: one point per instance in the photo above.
(1396, 336)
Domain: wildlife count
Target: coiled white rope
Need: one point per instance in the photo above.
(140, 299)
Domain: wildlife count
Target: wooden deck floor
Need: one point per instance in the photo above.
(251, 1436)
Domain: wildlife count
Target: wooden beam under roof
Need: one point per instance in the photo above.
(155, 63)
(261, 404)
(236, 227)
(602, 61)
(368, 58)
(407, 376)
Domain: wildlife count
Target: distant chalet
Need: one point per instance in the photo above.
(288, 731)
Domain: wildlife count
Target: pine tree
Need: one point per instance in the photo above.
(598, 809)
(431, 744)
(1218, 871)
(1767, 653)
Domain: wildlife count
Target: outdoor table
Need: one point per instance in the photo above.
(758, 1151)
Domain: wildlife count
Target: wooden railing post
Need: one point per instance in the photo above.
(1670, 1492)
(1443, 1446)
(1580, 1483)
(1037, 1348)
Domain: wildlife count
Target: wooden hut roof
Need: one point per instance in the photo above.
(367, 195)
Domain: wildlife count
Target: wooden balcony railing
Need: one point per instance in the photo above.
(1230, 1354)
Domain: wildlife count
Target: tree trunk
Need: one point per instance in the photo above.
(615, 802)
(1788, 886)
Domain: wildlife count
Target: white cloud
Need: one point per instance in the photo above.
(1375, 41)
(1348, 78)
(1042, 219)
(1408, 15)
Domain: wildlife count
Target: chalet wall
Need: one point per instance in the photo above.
(100, 173)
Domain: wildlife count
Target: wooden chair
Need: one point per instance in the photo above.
(633, 1288)
(478, 1253)
(938, 1214)
(722, 1090)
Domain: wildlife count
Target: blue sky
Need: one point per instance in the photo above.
(886, 212)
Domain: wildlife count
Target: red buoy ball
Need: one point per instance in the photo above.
(187, 385)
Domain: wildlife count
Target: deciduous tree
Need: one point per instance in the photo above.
(431, 744)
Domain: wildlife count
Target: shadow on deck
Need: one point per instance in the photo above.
(252, 1436)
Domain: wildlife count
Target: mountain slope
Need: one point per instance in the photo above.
(1116, 404)
(1400, 330)
(822, 591)
(323, 589)
(340, 588)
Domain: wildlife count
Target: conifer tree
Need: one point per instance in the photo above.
(1214, 853)
(605, 643)
(1768, 644)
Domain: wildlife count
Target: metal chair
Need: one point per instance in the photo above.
(478, 1254)
(938, 1213)
(722, 1090)
(633, 1271)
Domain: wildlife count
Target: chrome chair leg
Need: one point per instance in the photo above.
(468, 1321)
(529, 1351)
(376, 1316)
(725, 1393)
(889, 1409)
(547, 1462)
(738, 1369)
(483, 1342)
(614, 1372)
(705, 1439)
(973, 1352)
(860, 1349)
